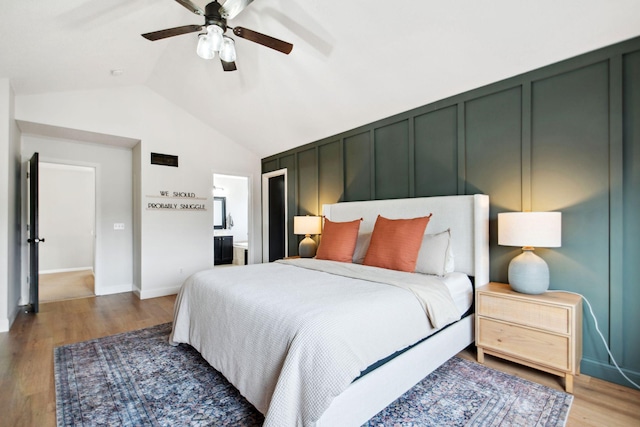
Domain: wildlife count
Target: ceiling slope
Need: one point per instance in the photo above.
(352, 62)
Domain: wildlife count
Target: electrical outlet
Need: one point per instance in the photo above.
(118, 226)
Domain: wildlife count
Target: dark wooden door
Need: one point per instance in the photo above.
(34, 238)
(276, 218)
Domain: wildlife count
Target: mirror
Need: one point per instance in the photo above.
(219, 213)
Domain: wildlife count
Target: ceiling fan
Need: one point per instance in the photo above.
(214, 40)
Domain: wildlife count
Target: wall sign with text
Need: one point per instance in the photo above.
(176, 201)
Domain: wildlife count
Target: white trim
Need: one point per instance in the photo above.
(265, 213)
(116, 289)
(251, 223)
(54, 162)
(65, 270)
(155, 293)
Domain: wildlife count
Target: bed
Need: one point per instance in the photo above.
(325, 343)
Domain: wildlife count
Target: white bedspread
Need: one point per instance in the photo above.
(290, 339)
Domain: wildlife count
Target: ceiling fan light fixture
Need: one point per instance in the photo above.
(228, 50)
(204, 49)
(215, 35)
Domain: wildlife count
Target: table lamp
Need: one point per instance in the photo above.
(528, 273)
(307, 225)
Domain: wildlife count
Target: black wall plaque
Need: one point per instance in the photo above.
(164, 159)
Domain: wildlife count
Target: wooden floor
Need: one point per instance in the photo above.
(27, 394)
(66, 285)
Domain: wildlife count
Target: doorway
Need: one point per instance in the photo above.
(67, 218)
(230, 220)
(274, 216)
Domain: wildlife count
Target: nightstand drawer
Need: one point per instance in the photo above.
(536, 346)
(547, 317)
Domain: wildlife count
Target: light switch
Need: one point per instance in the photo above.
(118, 226)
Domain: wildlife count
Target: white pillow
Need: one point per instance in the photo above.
(436, 255)
(362, 244)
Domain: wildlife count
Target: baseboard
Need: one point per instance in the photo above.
(65, 270)
(607, 372)
(4, 325)
(119, 289)
(155, 293)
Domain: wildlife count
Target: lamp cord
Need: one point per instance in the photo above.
(595, 322)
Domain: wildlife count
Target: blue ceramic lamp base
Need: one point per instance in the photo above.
(528, 273)
(307, 247)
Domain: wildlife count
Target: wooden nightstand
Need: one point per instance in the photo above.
(541, 331)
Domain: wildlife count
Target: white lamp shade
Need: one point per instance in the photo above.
(204, 49)
(530, 229)
(307, 225)
(228, 50)
(215, 35)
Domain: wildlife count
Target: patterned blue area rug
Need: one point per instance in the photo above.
(137, 378)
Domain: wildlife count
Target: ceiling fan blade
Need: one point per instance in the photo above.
(263, 39)
(170, 32)
(232, 8)
(191, 6)
(228, 66)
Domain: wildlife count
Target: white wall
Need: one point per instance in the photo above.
(114, 204)
(10, 255)
(172, 244)
(66, 217)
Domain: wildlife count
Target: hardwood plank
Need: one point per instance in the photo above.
(27, 391)
(27, 388)
(66, 285)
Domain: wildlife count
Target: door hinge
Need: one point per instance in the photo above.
(28, 175)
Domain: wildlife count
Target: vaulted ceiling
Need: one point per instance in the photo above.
(353, 62)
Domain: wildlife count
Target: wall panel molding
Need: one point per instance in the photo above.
(563, 137)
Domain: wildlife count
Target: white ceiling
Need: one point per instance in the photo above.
(353, 62)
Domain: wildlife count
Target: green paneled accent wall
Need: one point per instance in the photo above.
(493, 162)
(391, 151)
(307, 181)
(565, 138)
(270, 166)
(436, 152)
(357, 167)
(330, 170)
(570, 174)
(289, 163)
(628, 296)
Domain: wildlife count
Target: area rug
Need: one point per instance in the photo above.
(137, 378)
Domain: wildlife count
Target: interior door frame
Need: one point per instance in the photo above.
(90, 169)
(97, 286)
(250, 206)
(265, 213)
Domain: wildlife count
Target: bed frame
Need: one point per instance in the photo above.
(468, 219)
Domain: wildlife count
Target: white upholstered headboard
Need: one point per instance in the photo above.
(466, 216)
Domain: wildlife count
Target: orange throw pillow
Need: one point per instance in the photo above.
(338, 240)
(395, 243)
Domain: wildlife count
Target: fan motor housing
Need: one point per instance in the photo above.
(213, 16)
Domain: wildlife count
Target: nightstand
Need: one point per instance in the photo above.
(541, 331)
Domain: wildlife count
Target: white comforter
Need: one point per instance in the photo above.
(290, 339)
